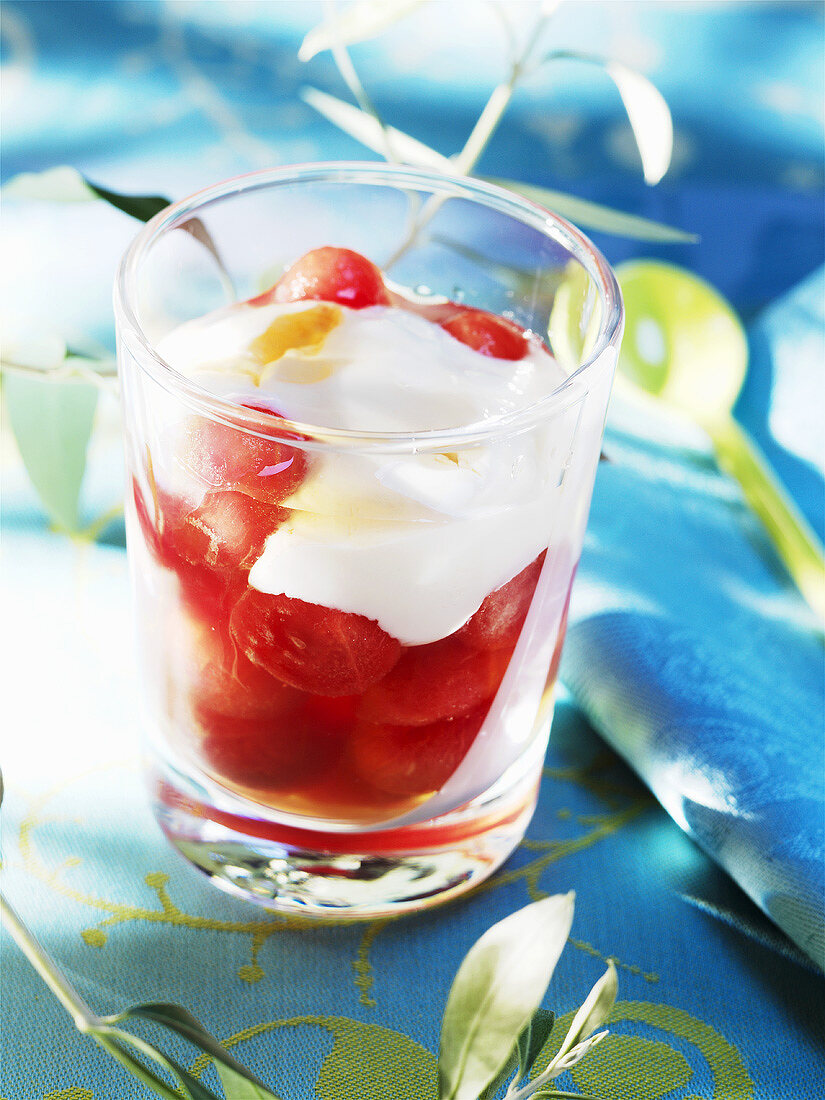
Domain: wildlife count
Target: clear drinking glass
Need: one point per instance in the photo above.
(299, 754)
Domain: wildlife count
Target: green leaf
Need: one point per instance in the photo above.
(357, 22)
(238, 1087)
(563, 1062)
(591, 215)
(142, 207)
(193, 1089)
(533, 1038)
(52, 423)
(649, 118)
(366, 129)
(646, 108)
(504, 1075)
(137, 1068)
(496, 991)
(528, 1047)
(244, 1084)
(594, 1011)
(60, 184)
(65, 184)
(238, 1082)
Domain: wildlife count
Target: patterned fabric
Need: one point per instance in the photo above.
(704, 669)
(688, 650)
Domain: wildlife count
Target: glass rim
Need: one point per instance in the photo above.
(233, 414)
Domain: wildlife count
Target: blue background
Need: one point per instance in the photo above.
(166, 98)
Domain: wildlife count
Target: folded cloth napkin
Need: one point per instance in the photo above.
(689, 648)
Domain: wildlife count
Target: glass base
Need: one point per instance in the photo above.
(355, 875)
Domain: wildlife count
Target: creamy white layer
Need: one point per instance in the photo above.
(415, 542)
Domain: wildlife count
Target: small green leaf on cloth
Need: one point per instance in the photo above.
(357, 22)
(144, 208)
(52, 424)
(496, 991)
(533, 1038)
(527, 1049)
(563, 1062)
(239, 1087)
(137, 1068)
(244, 1085)
(595, 1010)
(117, 1043)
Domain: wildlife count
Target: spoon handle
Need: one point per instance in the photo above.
(790, 532)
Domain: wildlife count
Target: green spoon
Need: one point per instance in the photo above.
(685, 346)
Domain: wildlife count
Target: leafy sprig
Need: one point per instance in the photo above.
(646, 108)
(493, 1030)
(53, 424)
(493, 1027)
(492, 1022)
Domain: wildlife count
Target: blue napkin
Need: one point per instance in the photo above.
(690, 650)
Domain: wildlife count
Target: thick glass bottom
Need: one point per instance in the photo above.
(356, 875)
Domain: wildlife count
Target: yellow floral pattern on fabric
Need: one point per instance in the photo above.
(616, 1061)
(74, 1092)
(369, 1062)
(653, 1071)
(625, 806)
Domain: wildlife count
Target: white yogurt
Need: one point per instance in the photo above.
(415, 542)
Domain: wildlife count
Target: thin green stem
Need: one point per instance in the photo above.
(486, 125)
(513, 1086)
(560, 1064)
(84, 1019)
(343, 61)
(489, 119)
(480, 137)
(347, 70)
(532, 1087)
(504, 18)
(133, 1066)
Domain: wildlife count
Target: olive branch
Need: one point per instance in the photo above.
(493, 1031)
(53, 424)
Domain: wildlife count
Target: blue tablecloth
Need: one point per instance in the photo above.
(714, 1000)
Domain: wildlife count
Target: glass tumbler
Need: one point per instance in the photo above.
(304, 751)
